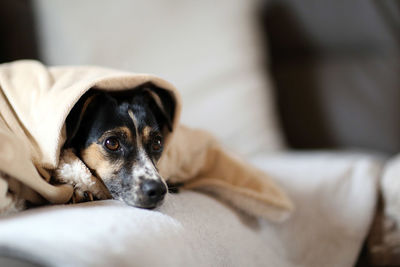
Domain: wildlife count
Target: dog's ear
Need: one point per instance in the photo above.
(75, 117)
(163, 103)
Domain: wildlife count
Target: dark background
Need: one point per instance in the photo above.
(336, 65)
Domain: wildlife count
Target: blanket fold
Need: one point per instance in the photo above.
(34, 103)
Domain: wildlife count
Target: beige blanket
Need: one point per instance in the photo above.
(34, 103)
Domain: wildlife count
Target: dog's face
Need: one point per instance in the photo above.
(121, 140)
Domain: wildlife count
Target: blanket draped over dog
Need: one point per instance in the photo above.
(34, 103)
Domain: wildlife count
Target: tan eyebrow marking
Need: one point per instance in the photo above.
(124, 131)
(146, 132)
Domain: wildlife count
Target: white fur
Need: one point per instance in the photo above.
(73, 173)
(72, 170)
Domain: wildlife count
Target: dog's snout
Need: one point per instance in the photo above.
(154, 191)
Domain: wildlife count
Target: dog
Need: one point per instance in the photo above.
(120, 138)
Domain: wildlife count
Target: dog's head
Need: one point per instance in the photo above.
(120, 137)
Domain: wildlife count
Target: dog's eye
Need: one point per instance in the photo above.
(157, 144)
(112, 143)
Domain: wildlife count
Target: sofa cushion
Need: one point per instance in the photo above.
(335, 197)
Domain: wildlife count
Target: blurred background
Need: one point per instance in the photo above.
(261, 75)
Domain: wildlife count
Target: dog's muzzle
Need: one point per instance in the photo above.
(153, 193)
(147, 194)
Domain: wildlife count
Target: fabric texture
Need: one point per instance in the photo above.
(35, 103)
(335, 196)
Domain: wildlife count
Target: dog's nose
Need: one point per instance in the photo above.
(154, 191)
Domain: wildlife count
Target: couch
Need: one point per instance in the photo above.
(277, 82)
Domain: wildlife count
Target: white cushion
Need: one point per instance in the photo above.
(335, 196)
(208, 49)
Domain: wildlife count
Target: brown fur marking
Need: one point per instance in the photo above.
(124, 131)
(146, 133)
(95, 159)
